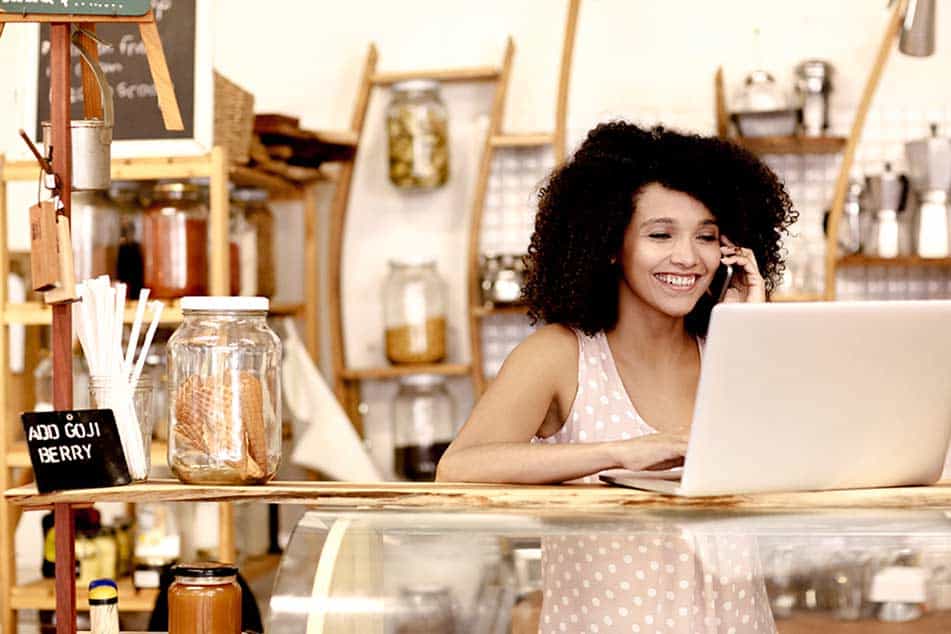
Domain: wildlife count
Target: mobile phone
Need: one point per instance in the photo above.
(721, 281)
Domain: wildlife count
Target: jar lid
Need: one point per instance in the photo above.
(205, 569)
(413, 259)
(416, 85)
(225, 304)
(176, 187)
(423, 380)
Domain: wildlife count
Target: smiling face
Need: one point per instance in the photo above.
(671, 251)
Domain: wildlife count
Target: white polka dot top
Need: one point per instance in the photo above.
(649, 576)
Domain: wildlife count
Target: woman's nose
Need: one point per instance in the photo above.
(684, 254)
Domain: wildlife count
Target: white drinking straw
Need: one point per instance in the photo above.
(134, 333)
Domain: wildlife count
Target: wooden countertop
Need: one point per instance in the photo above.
(563, 499)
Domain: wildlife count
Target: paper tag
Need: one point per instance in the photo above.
(66, 292)
(44, 264)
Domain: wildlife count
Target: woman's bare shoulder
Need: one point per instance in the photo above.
(551, 343)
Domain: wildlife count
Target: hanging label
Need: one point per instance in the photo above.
(66, 291)
(44, 263)
(75, 449)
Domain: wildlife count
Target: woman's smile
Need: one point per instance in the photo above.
(677, 282)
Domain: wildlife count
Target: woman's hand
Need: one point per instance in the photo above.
(653, 451)
(747, 284)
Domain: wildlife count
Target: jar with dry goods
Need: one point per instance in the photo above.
(94, 227)
(243, 255)
(423, 426)
(125, 196)
(205, 597)
(224, 365)
(258, 215)
(175, 241)
(414, 312)
(417, 127)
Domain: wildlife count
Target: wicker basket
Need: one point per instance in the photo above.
(234, 119)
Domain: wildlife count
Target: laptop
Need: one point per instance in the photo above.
(816, 396)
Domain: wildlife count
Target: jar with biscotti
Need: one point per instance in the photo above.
(205, 597)
(175, 241)
(417, 126)
(414, 312)
(224, 384)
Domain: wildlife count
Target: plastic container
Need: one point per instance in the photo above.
(175, 242)
(224, 365)
(423, 426)
(205, 597)
(414, 312)
(417, 125)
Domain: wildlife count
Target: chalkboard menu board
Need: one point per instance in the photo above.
(126, 67)
(76, 7)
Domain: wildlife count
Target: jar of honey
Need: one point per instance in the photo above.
(205, 597)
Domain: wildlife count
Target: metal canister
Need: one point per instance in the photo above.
(813, 86)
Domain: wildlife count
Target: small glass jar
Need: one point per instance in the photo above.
(205, 597)
(258, 215)
(224, 384)
(105, 392)
(243, 258)
(414, 312)
(125, 196)
(94, 227)
(175, 242)
(417, 127)
(423, 426)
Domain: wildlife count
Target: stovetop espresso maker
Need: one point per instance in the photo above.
(929, 163)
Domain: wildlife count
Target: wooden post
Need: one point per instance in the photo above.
(311, 273)
(164, 89)
(62, 338)
(65, 568)
(564, 80)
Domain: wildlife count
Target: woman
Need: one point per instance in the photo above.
(628, 239)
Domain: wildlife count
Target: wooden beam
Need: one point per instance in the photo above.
(564, 80)
(92, 99)
(164, 88)
(65, 565)
(445, 75)
(312, 269)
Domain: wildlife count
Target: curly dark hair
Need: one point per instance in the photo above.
(586, 204)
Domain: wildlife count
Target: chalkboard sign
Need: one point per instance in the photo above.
(76, 7)
(78, 449)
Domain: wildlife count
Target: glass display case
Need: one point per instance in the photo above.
(656, 570)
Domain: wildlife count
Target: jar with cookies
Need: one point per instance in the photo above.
(414, 312)
(224, 365)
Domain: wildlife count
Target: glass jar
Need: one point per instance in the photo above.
(417, 127)
(94, 228)
(258, 214)
(205, 597)
(175, 242)
(414, 312)
(423, 426)
(109, 392)
(243, 258)
(125, 196)
(224, 365)
(426, 610)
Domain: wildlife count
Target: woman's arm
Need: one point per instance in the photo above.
(494, 444)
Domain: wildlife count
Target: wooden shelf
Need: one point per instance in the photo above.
(536, 139)
(797, 297)
(910, 261)
(475, 73)
(933, 623)
(19, 456)
(512, 309)
(791, 144)
(41, 594)
(397, 371)
(37, 314)
(577, 500)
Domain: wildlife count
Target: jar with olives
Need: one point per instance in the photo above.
(418, 131)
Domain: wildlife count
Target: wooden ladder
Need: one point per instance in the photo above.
(497, 140)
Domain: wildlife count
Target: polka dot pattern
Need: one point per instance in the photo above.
(655, 578)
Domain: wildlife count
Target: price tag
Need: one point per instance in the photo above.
(78, 449)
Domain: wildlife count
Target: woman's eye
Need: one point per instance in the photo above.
(659, 235)
(709, 238)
